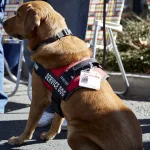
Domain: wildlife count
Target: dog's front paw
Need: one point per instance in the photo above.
(14, 141)
(46, 136)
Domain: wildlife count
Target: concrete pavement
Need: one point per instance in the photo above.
(13, 122)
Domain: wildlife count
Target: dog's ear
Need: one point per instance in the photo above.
(32, 20)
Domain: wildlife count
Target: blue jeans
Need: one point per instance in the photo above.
(3, 96)
(12, 53)
(75, 13)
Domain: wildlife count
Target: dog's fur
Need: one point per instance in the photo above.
(97, 119)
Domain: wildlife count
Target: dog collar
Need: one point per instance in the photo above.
(52, 39)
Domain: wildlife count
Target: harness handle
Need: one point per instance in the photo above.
(75, 70)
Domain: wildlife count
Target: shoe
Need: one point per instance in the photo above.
(64, 125)
(2, 105)
(46, 120)
(2, 109)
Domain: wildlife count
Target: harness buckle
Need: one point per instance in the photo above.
(64, 32)
(60, 35)
(67, 32)
(36, 66)
(64, 78)
(91, 65)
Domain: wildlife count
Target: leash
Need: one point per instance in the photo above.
(104, 33)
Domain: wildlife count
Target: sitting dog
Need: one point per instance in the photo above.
(97, 118)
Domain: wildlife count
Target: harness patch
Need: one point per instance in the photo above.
(55, 85)
(90, 79)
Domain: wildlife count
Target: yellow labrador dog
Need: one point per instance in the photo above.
(97, 119)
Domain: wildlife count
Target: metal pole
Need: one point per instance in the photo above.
(115, 49)
(18, 71)
(95, 38)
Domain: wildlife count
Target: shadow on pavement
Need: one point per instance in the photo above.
(144, 121)
(135, 98)
(11, 106)
(146, 145)
(145, 125)
(15, 128)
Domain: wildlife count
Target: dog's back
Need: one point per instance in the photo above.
(102, 117)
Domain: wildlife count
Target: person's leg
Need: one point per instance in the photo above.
(3, 96)
(11, 54)
(27, 55)
(75, 13)
(137, 6)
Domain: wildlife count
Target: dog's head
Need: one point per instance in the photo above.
(35, 19)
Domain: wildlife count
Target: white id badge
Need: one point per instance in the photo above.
(90, 79)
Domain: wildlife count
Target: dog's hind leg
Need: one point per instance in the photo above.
(78, 142)
(40, 100)
(54, 129)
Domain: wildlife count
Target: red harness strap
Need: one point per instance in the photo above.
(74, 84)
